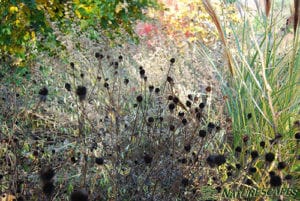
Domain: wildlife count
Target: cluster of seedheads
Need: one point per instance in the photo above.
(168, 142)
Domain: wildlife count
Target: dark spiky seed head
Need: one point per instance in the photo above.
(169, 79)
(208, 89)
(275, 181)
(157, 90)
(151, 88)
(185, 182)
(68, 86)
(48, 188)
(202, 133)
(229, 167)
(106, 85)
(211, 125)
(213, 160)
(262, 144)
(190, 97)
(150, 119)
(184, 121)
(99, 160)
(147, 158)
(141, 67)
(249, 115)
(188, 103)
(79, 195)
(142, 72)
(171, 106)
(238, 149)
(72, 65)
(139, 98)
(249, 182)
(281, 165)
(43, 91)
(269, 157)
(82, 75)
(47, 174)
(252, 169)
(297, 136)
(161, 119)
(201, 105)
(81, 92)
(135, 105)
(172, 127)
(120, 58)
(271, 173)
(288, 177)
(175, 100)
(219, 189)
(98, 55)
(187, 147)
(254, 154)
(238, 166)
(183, 160)
(229, 174)
(172, 60)
(181, 114)
(170, 97)
(126, 81)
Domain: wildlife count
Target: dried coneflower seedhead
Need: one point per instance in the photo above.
(98, 55)
(72, 65)
(43, 93)
(269, 157)
(171, 106)
(48, 188)
(147, 158)
(151, 88)
(81, 92)
(249, 115)
(79, 195)
(47, 174)
(262, 144)
(252, 169)
(184, 121)
(275, 181)
(172, 128)
(68, 86)
(215, 160)
(157, 90)
(181, 114)
(187, 147)
(208, 89)
(99, 160)
(249, 182)
(238, 166)
(170, 79)
(139, 98)
(172, 60)
(188, 103)
(202, 133)
(201, 105)
(297, 136)
(238, 149)
(120, 58)
(190, 97)
(142, 73)
(126, 81)
(150, 119)
(185, 182)
(254, 154)
(281, 165)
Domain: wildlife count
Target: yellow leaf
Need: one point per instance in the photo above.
(13, 9)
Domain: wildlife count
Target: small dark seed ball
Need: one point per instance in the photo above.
(238, 149)
(269, 157)
(202, 133)
(262, 144)
(171, 106)
(183, 160)
(288, 177)
(68, 86)
(188, 103)
(275, 181)
(139, 98)
(249, 182)
(176, 100)
(106, 85)
(254, 154)
(184, 121)
(142, 72)
(161, 119)
(169, 79)
(208, 89)
(126, 81)
(249, 116)
(147, 158)
(201, 105)
(229, 174)
(219, 189)
(150, 119)
(297, 136)
(252, 169)
(172, 60)
(151, 88)
(281, 165)
(190, 97)
(99, 160)
(271, 173)
(72, 65)
(185, 182)
(157, 90)
(120, 57)
(211, 125)
(187, 147)
(170, 97)
(181, 114)
(172, 128)
(238, 166)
